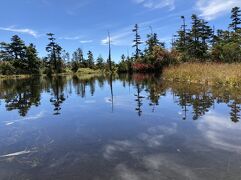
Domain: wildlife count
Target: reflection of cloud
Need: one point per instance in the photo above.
(150, 165)
(151, 139)
(90, 101)
(123, 101)
(155, 135)
(34, 117)
(156, 166)
(221, 133)
(117, 146)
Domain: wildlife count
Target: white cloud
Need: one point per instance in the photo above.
(120, 38)
(71, 38)
(86, 41)
(156, 4)
(211, 9)
(19, 30)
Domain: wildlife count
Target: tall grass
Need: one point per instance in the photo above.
(87, 71)
(208, 73)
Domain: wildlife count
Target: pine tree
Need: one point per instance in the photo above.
(90, 60)
(78, 60)
(206, 34)
(32, 60)
(54, 51)
(181, 41)
(236, 19)
(17, 48)
(152, 41)
(100, 62)
(194, 36)
(137, 41)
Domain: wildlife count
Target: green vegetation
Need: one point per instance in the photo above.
(198, 43)
(88, 71)
(205, 73)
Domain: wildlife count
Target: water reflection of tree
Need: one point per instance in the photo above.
(199, 98)
(58, 97)
(235, 112)
(139, 99)
(21, 94)
(81, 83)
(111, 91)
(193, 99)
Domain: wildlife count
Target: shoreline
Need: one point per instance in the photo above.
(198, 73)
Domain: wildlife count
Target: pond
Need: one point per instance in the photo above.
(135, 127)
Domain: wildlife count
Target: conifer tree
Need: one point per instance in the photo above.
(137, 41)
(90, 60)
(236, 19)
(54, 51)
(32, 60)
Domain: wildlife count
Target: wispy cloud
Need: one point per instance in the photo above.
(74, 8)
(86, 41)
(72, 38)
(124, 36)
(211, 9)
(75, 38)
(156, 4)
(21, 30)
(121, 38)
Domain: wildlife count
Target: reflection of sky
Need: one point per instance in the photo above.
(220, 133)
(88, 134)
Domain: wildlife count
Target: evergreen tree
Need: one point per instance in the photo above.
(90, 60)
(32, 60)
(194, 36)
(137, 41)
(151, 42)
(100, 62)
(206, 34)
(236, 19)
(54, 51)
(78, 60)
(181, 41)
(17, 48)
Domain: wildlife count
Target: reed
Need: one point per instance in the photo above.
(205, 73)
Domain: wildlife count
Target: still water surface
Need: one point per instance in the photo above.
(127, 128)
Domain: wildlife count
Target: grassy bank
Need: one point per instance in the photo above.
(205, 73)
(80, 72)
(85, 71)
(21, 76)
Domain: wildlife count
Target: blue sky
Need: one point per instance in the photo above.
(85, 23)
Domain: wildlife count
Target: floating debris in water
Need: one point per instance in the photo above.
(17, 153)
(37, 116)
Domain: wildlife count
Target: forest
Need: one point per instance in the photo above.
(194, 43)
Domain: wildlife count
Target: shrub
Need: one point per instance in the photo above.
(6, 68)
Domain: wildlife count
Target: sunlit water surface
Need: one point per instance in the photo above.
(127, 128)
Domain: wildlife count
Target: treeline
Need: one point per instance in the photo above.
(198, 42)
(18, 58)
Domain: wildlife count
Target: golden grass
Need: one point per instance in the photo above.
(87, 71)
(23, 76)
(208, 73)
